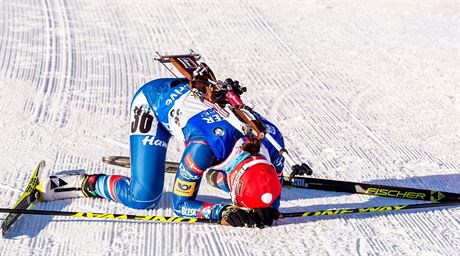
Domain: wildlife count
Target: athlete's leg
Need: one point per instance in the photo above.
(148, 142)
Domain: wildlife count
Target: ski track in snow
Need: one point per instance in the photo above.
(363, 90)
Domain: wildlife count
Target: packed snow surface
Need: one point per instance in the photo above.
(364, 91)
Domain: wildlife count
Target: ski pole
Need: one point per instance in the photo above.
(296, 166)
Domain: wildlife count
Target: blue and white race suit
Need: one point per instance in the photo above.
(163, 108)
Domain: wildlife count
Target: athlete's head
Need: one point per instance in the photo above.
(253, 181)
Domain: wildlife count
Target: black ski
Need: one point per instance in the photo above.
(29, 196)
(372, 189)
(334, 185)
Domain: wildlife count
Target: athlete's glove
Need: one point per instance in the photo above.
(265, 216)
(237, 217)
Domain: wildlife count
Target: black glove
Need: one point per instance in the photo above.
(236, 217)
(265, 216)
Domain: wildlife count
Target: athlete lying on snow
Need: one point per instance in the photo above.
(248, 168)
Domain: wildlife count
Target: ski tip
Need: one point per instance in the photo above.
(42, 163)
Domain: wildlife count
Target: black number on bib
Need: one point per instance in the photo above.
(144, 122)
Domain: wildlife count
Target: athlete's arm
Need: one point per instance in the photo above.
(196, 159)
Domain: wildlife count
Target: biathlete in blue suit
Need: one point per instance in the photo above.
(246, 167)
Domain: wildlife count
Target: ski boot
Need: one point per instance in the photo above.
(58, 187)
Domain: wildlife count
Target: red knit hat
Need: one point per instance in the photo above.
(254, 183)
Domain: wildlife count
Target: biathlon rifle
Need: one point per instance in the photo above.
(224, 98)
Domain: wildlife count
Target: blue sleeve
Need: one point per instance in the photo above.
(276, 159)
(196, 159)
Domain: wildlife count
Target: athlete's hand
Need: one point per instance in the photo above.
(237, 217)
(265, 216)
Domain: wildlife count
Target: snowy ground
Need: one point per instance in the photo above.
(364, 90)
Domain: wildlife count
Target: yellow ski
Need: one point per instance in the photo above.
(29, 196)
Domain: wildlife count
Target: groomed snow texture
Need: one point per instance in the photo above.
(364, 91)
